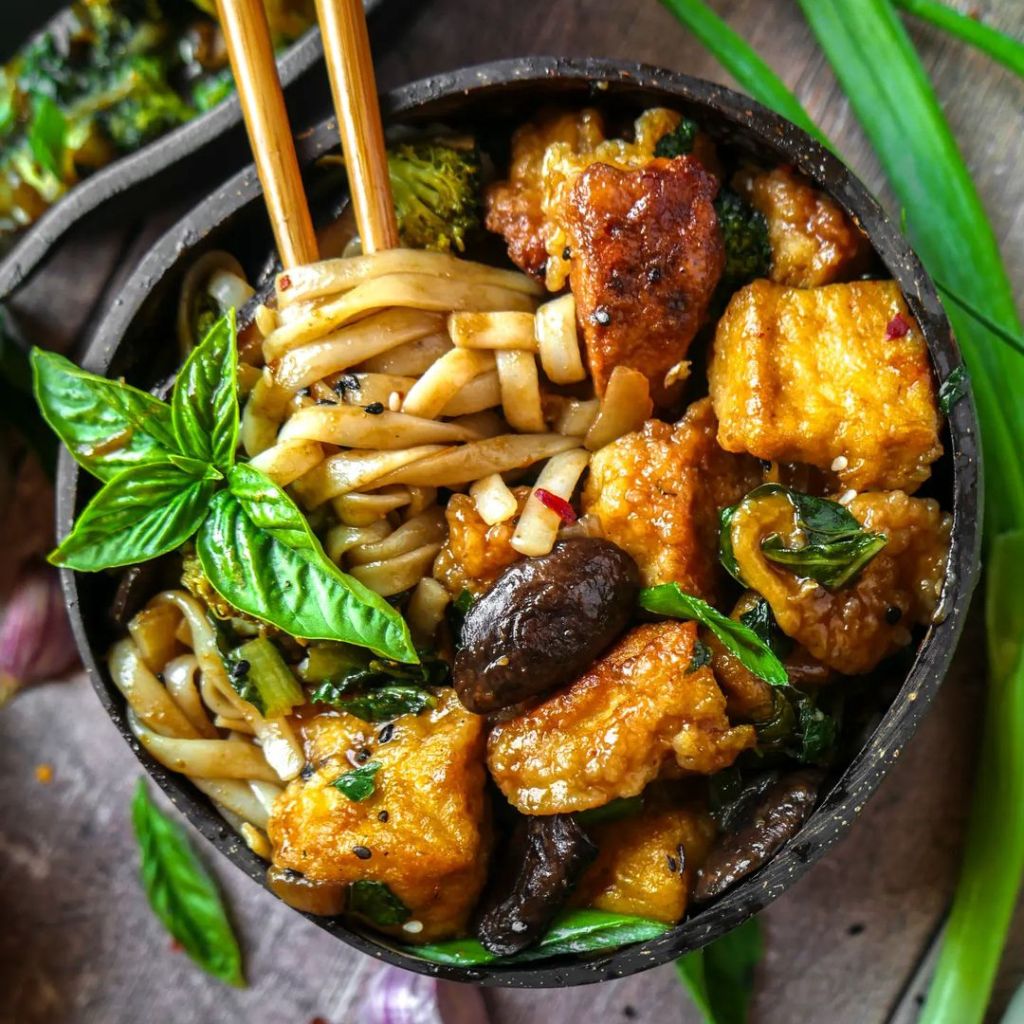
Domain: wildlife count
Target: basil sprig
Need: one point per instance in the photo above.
(836, 549)
(720, 977)
(169, 472)
(577, 931)
(671, 600)
(182, 893)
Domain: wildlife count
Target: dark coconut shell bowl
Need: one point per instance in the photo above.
(137, 341)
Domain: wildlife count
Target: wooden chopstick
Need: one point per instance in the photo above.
(354, 88)
(244, 23)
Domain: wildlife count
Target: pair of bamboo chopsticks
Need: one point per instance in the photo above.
(346, 46)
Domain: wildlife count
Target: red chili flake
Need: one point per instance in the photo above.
(897, 327)
(284, 282)
(558, 505)
(176, 946)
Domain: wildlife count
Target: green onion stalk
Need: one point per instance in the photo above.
(882, 76)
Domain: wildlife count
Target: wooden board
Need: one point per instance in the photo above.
(78, 942)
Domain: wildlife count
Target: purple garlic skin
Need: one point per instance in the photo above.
(394, 996)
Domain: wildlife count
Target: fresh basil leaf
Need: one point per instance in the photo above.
(671, 600)
(818, 732)
(833, 563)
(383, 704)
(798, 728)
(762, 621)
(204, 403)
(620, 807)
(182, 893)
(142, 513)
(195, 467)
(820, 518)
(577, 931)
(261, 556)
(359, 783)
(47, 136)
(953, 388)
(720, 977)
(376, 902)
(726, 555)
(106, 425)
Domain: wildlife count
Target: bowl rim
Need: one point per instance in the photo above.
(835, 813)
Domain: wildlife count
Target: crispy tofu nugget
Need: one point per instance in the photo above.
(851, 629)
(837, 377)
(813, 241)
(639, 709)
(646, 864)
(646, 256)
(475, 554)
(430, 848)
(657, 494)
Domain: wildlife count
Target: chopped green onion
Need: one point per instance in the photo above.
(260, 676)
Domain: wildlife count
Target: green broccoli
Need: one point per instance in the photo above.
(436, 192)
(748, 253)
(678, 142)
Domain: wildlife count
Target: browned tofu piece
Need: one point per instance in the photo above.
(813, 241)
(430, 848)
(635, 712)
(837, 377)
(646, 256)
(851, 629)
(657, 494)
(475, 554)
(515, 208)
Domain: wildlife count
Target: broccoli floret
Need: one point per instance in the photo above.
(748, 253)
(678, 142)
(436, 191)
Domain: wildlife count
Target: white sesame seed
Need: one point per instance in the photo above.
(847, 496)
(839, 463)
(412, 927)
(395, 401)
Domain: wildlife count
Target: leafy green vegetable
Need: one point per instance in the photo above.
(261, 556)
(671, 600)
(204, 405)
(210, 91)
(720, 977)
(701, 656)
(359, 783)
(761, 620)
(259, 675)
(47, 136)
(833, 563)
(376, 902)
(380, 705)
(678, 142)
(142, 513)
(106, 425)
(999, 46)
(620, 807)
(182, 893)
(953, 388)
(576, 931)
(798, 728)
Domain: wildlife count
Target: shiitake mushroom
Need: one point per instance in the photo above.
(544, 622)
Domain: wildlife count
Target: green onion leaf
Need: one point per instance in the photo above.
(261, 556)
(671, 600)
(359, 783)
(47, 136)
(577, 931)
(999, 46)
(259, 675)
(106, 425)
(142, 513)
(377, 903)
(720, 977)
(182, 893)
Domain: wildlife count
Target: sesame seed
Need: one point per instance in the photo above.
(383, 816)
(567, 253)
(395, 401)
(240, 668)
(839, 463)
(602, 316)
(847, 496)
(362, 852)
(413, 927)
(374, 408)
(386, 733)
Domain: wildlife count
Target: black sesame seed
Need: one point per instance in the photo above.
(653, 275)
(602, 316)
(307, 772)
(346, 382)
(567, 253)
(387, 733)
(383, 816)
(374, 408)
(362, 755)
(239, 668)
(325, 401)
(362, 852)
(893, 614)
(673, 866)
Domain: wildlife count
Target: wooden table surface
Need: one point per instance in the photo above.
(844, 946)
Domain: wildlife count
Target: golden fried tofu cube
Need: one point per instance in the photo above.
(837, 377)
(813, 241)
(647, 864)
(635, 712)
(657, 494)
(851, 629)
(429, 848)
